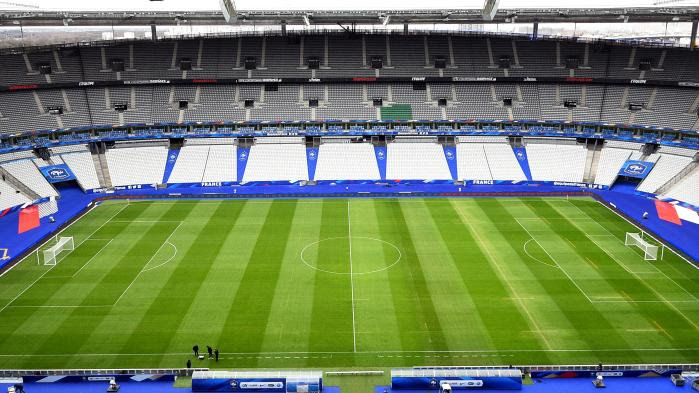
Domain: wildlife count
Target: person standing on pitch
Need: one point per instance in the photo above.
(216, 354)
(195, 348)
(210, 351)
(189, 363)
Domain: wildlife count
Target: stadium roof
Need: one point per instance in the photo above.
(207, 12)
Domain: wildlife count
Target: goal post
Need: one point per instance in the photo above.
(650, 251)
(64, 243)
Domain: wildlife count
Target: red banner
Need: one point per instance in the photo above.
(28, 219)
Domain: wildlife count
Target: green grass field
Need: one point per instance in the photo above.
(350, 283)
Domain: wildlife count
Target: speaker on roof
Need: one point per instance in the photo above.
(121, 107)
(376, 62)
(645, 65)
(507, 101)
(572, 62)
(570, 104)
(419, 86)
(440, 62)
(55, 110)
(378, 101)
(313, 103)
(442, 102)
(249, 103)
(116, 65)
(250, 63)
(504, 62)
(45, 69)
(183, 104)
(635, 106)
(185, 64)
(313, 63)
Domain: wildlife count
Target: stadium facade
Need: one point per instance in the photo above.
(358, 114)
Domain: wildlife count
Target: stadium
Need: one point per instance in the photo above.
(260, 197)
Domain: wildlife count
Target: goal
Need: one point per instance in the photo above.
(650, 251)
(63, 244)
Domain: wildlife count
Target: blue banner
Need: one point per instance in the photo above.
(243, 153)
(57, 173)
(311, 160)
(450, 155)
(172, 155)
(636, 169)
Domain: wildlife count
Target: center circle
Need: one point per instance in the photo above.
(355, 255)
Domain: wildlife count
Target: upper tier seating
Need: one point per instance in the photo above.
(609, 164)
(276, 162)
(412, 161)
(549, 162)
(136, 165)
(82, 166)
(26, 172)
(347, 161)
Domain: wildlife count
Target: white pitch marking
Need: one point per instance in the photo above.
(149, 261)
(556, 262)
(516, 296)
(349, 235)
(650, 264)
(51, 268)
(93, 257)
(378, 353)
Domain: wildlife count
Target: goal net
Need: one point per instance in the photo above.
(63, 244)
(650, 251)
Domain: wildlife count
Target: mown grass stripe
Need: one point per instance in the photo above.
(80, 322)
(168, 305)
(331, 326)
(13, 319)
(483, 283)
(413, 278)
(250, 310)
(628, 283)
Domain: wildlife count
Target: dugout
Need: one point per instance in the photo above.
(457, 379)
(257, 381)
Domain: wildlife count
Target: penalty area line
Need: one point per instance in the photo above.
(579, 350)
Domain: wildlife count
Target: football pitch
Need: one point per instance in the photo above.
(340, 283)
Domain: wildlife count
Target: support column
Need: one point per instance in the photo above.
(153, 32)
(535, 31)
(693, 38)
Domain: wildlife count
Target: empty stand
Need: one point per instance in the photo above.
(346, 161)
(276, 162)
(27, 172)
(549, 162)
(136, 165)
(665, 168)
(82, 166)
(609, 164)
(412, 161)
